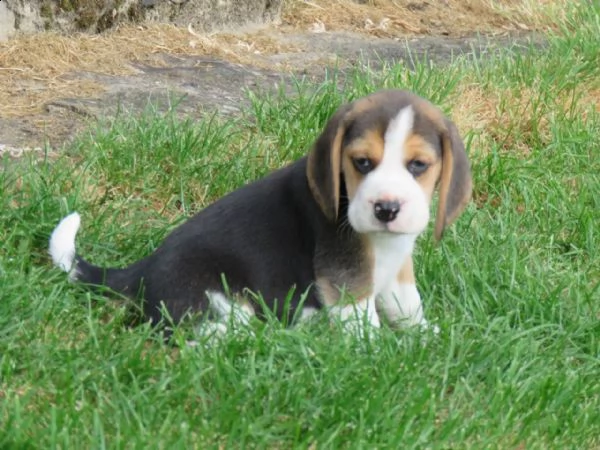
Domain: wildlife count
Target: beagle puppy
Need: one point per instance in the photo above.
(335, 229)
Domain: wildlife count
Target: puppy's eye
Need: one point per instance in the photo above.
(363, 165)
(417, 167)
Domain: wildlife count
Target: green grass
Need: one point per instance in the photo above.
(514, 286)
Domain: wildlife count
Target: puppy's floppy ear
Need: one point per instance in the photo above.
(324, 166)
(455, 180)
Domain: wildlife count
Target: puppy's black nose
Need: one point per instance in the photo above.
(386, 211)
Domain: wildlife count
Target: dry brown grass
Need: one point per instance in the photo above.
(486, 113)
(512, 119)
(391, 18)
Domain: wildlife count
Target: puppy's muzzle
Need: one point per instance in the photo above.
(386, 211)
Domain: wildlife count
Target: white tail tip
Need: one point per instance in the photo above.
(62, 242)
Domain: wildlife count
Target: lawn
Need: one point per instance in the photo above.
(514, 286)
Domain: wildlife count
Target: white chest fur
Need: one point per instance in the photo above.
(390, 253)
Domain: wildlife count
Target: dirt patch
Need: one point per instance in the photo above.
(53, 84)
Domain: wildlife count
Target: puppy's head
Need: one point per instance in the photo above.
(387, 152)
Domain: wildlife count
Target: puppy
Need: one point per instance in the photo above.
(335, 229)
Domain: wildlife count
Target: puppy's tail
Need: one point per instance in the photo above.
(64, 255)
(62, 244)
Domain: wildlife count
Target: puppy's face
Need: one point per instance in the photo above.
(386, 153)
(390, 172)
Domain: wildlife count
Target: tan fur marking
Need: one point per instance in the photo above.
(447, 174)
(445, 179)
(336, 155)
(368, 146)
(328, 294)
(351, 177)
(429, 179)
(331, 294)
(357, 283)
(460, 172)
(407, 274)
(417, 148)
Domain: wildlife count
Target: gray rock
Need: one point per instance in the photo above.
(67, 16)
